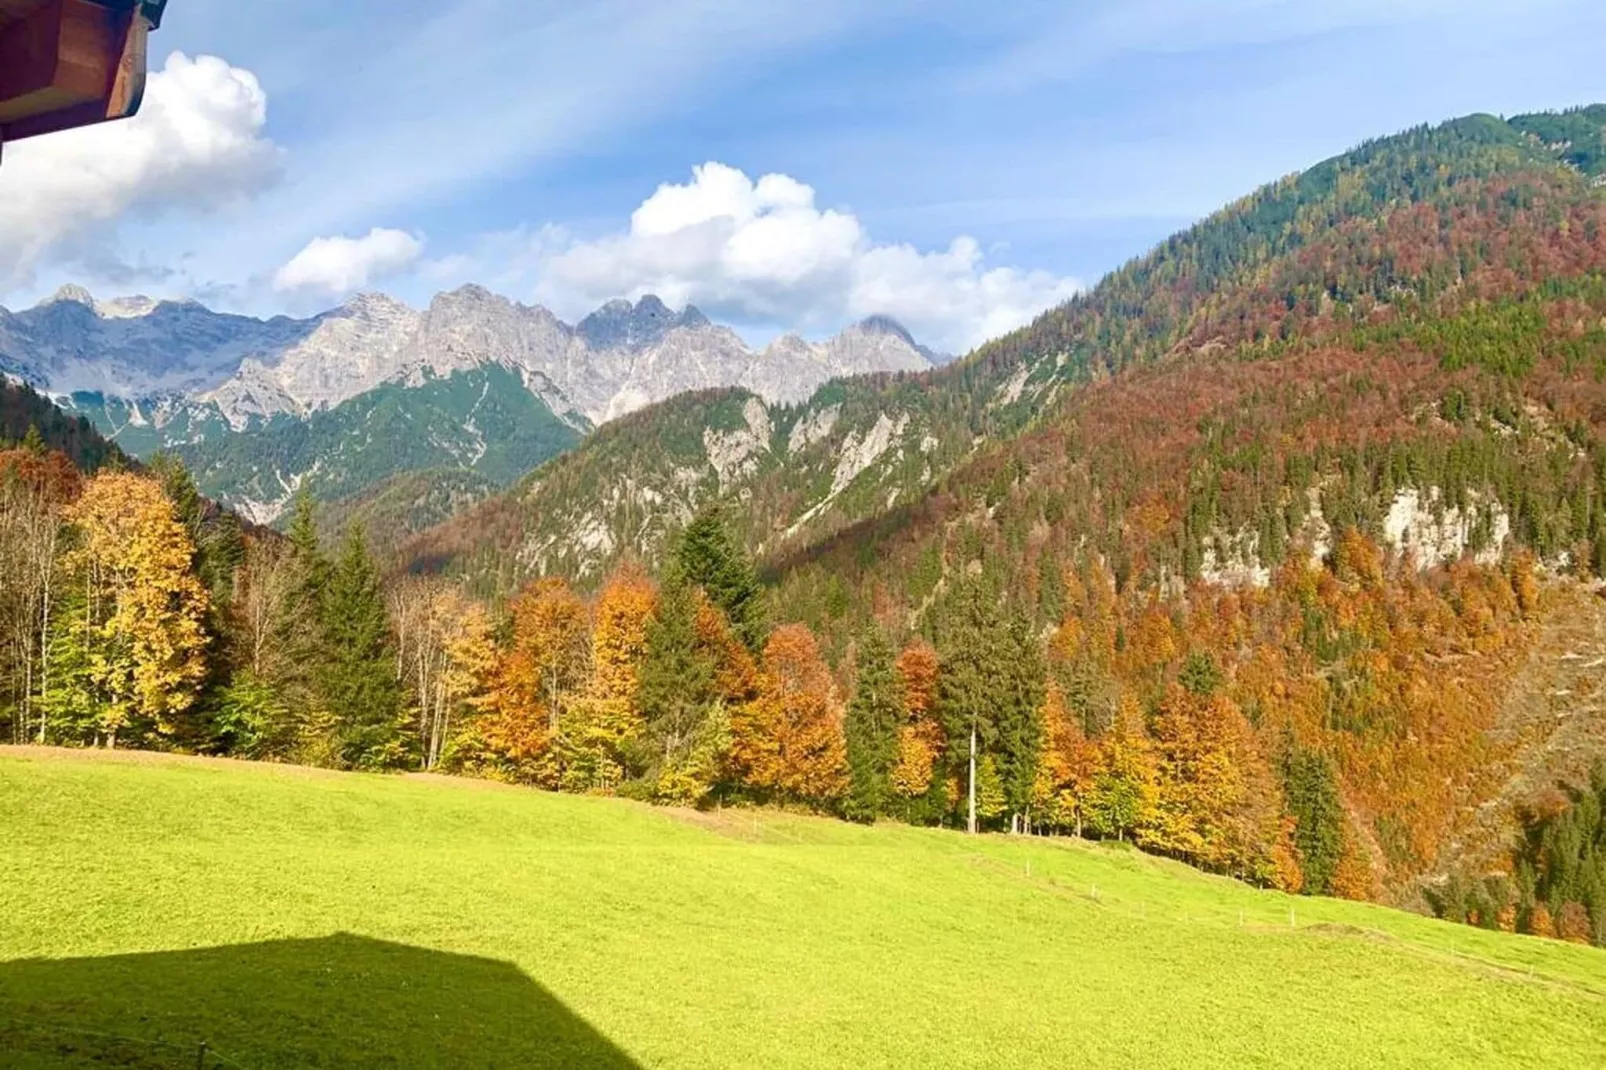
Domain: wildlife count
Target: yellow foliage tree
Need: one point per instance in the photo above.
(145, 610)
(1069, 768)
(619, 637)
(599, 724)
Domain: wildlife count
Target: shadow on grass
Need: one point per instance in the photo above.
(333, 1002)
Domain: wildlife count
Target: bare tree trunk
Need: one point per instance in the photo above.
(44, 637)
(970, 821)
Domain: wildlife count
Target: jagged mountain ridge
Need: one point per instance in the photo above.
(260, 408)
(619, 358)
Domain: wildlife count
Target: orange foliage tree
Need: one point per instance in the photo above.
(788, 742)
(920, 736)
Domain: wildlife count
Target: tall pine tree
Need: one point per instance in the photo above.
(677, 680)
(711, 556)
(873, 716)
(357, 680)
(991, 691)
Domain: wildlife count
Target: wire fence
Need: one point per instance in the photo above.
(21, 1036)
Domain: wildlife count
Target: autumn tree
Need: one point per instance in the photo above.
(544, 669)
(872, 728)
(1125, 793)
(142, 631)
(921, 736)
(1219, 805)
(787, 743)
(606, 721)
(36, 486)
(1070, 766)
(446, 656)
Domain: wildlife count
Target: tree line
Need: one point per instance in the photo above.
(137, 615)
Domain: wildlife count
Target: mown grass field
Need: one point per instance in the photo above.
(296, 918)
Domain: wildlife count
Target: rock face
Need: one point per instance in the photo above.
(618, 359)
(350, 398)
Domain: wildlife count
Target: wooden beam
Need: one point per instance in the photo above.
(12, 10)
(70, 63)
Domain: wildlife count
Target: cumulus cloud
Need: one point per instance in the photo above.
(197, 143)
(765, 252)
(340, 265)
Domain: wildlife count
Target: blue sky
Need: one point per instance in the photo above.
(958, 164)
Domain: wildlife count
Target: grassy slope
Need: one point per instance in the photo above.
(667, 940)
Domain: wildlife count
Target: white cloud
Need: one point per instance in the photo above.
(197, 143)
(764, 252)
(340, 265)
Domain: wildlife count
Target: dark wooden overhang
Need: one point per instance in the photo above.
(70, 63)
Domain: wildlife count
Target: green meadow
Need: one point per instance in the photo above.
(287, 918)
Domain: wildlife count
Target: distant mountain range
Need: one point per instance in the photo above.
(374, 388)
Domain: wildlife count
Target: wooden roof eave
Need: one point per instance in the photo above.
(70, 63)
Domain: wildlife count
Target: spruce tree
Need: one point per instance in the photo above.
(965, 692)
(872, 729)
(711, 556)
(298, 621)
(991, 688)
(677, 678)
(1018, 710)
(1310, 783)
(357, 680)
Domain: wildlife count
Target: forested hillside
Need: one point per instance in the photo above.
(1240, 557)
(482, 422)
(860, 448)
(23, 410)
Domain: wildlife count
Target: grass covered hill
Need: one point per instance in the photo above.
(289, 917)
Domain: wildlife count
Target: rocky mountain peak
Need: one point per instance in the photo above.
(373, 303)
(621, 325)
(885, 325)
(469, 297)
(71, 293)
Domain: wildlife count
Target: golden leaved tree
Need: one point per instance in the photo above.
(600, 724)
(144, 610)
(788, 741)
(920, 735)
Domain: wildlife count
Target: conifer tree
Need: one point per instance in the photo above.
(357, 680)
(1310, 783)
(966, 692)
(872, 729)
(992, 692)
(677, 678)
(711, 556)
(1019, 711)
